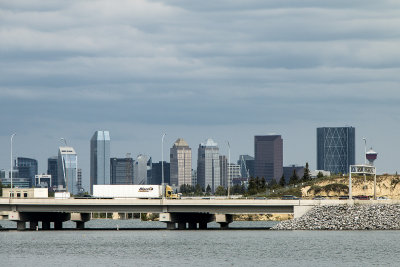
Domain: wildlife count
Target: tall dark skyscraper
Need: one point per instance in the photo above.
(336, 148)
(27, 168)
(52, 169)
(156, 173)
(268, 152)
(121, 170)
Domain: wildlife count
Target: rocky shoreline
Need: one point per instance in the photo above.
(346, 217)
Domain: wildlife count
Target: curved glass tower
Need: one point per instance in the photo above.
(335, 149)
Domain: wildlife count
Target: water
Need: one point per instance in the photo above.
(198, 248)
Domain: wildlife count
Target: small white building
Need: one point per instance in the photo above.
(25, 193)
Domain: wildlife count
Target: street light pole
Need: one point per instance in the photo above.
(11, 165)
(162, 165)
(365, 157)
(229, 170)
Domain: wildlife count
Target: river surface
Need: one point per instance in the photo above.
(150, 245)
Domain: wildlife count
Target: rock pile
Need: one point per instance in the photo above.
(346, 217)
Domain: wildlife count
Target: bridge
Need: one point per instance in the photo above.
(186, 213)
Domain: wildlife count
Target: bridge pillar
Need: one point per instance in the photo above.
(21, 225)
(33, 225)
(58, 225)
(192, 225)
(182, 225)
(224, 220)
(80, 219)
(80, 225)
(171, 226)
(45, 225)
(203, 225)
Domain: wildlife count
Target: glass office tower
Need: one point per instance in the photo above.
(68, 169)
(181, 163)
(208, 172)
(52, 169)
(121, 170)
(100, 158)
(268, 154)
(27, 168)
(336, 148)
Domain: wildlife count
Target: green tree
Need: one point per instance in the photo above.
(320, 175)
(220, 191)
(306, 176)
(198, 191)
(252, 188)
(208, 190)
(282, 181)
(273, 184)
(294, 179)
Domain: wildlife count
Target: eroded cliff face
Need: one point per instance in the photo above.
(388, 186)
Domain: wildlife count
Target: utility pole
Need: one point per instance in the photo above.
(229, 170)
(11, 166)
(162, 165)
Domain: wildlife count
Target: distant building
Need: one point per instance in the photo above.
(156, 173)
(68, 169)
(121, 170)
(2, 174)
(314, 174)
(223, 170)
(288, 172)
(194, 177)
(100, 158)
(268, 151)
(140, 168)
(52, 169)
(246, 163)
(17, 182)
(208, 172)
(27, 168)
(181, 163)
(43, 180)
(336, 149)
(79, 181)
(233, 173)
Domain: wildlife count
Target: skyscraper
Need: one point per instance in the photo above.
(27, 168)
(180, 163)
(68, 169)
(223, 170)
(140, 169)
(335, 149)
(122, 170)
(268, 152)
(100, 158)
(246, 163)
(208, 172)
(156, 174)
(52, 169)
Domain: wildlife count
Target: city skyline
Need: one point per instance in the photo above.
(265, 67)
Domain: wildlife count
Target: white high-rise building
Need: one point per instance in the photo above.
(100, 158)
(234, 172)
(208, 172)
(180, 163)
(140, 169)
(68, 169)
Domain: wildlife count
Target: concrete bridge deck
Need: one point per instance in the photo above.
(192, 211)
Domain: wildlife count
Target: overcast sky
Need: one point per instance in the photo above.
(197, 69)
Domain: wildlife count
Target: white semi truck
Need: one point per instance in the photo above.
(132, 191)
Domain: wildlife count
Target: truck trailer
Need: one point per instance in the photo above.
(132, 191)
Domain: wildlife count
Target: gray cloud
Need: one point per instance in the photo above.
(223, 69)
